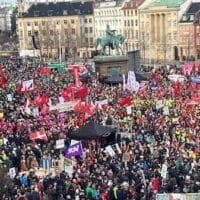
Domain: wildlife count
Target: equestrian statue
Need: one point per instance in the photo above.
(111, 40)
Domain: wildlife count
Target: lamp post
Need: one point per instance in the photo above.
(59, 46)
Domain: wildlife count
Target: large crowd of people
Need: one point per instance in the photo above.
(162, 129)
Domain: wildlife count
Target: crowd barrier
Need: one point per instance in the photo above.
(178, 196)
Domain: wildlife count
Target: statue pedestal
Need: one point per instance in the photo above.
(107, 65)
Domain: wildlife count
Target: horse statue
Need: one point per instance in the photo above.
(113, 42)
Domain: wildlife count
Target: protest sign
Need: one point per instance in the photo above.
(101, 103)
(9, 97)
(132, 84)
(68, 166)
(176, 77)
(164, 171)
(110, 151)
(35, 112)
(12, 173)
(60, 144)
(159, 104)
(129, 110)
(74, 150)
(27, 85)
(61, 100)
(64, 107)
(165, 110)
(74, 142)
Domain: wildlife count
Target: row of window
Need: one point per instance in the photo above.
(86, 40)
(169, 24)
(58, 22)
(50, 32)
(103, 13)
(113, 22)
(86, 30)
(130, 34)
(130, 12)
(130, 22)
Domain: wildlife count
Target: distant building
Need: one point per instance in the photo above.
(108, 13)
(189, 33)
(131, 24)
(159, 29)
(6, 14)
(72, 22)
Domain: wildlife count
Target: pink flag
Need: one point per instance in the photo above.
(187, 68)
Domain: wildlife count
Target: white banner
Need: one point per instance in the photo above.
(9, 97)
(159, 104)
(102, 102)
(64, 107)
(129, 110)
(165, 110)
(27, 85)
(60, 144)
(110, 151)
(132, 84)
(176, 77)
(61, 100)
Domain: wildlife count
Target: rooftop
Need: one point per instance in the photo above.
(5, 10)
(189, 15)
(133, 4)
(194, 8)
(59, 9)
(167, 3)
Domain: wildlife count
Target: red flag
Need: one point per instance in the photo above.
(1, 69)
(45, 71)
(45, 99)
(41, 100)
(77, 107)
(38, 101)
(126, 101)
(44, 109)
(2, 81)
(67, 94)
(82, 92)
(19, 87)
(38, 135)
(177, 89)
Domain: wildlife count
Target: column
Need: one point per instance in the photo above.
(161, 28)
(158, 27)
(152, 28)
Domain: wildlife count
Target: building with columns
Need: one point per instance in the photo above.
(131, 24)
(159, 30)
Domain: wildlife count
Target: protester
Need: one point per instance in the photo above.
(159, 126)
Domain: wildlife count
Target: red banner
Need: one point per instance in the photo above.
(76, 76)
